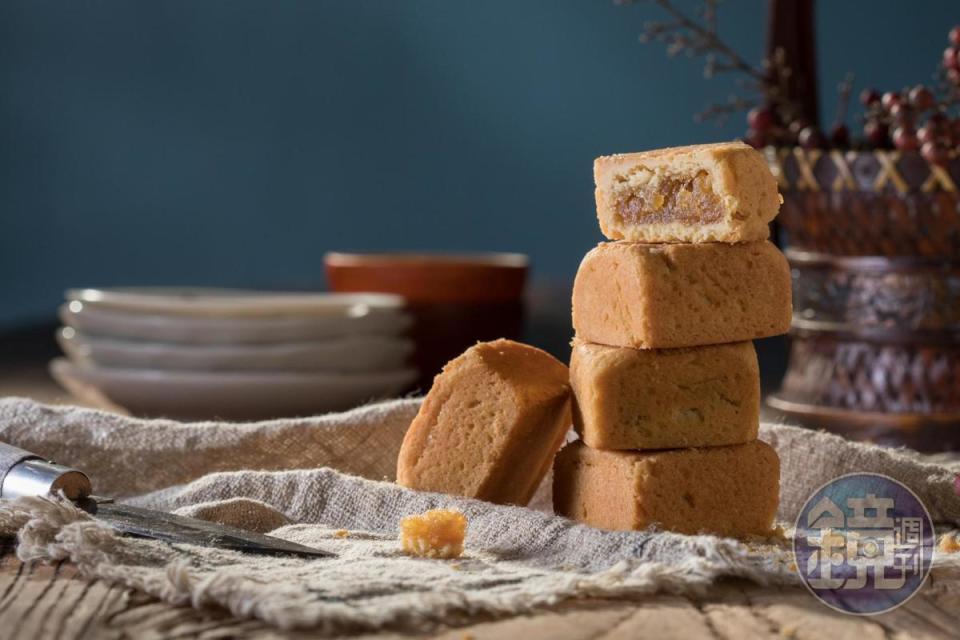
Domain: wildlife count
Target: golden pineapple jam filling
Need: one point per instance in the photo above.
(662, 199)
(438, 533)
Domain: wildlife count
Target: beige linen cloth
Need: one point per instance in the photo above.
(325, 481)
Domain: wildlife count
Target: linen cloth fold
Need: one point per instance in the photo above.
(326, 481)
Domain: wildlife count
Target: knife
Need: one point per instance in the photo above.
(26, 474)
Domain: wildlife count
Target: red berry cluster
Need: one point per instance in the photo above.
(909, 120)
(951, 57)
(767, 127)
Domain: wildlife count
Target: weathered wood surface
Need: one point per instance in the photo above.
(39, 602)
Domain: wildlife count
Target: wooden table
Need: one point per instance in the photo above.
(40, 601)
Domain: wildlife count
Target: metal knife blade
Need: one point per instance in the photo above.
(158, 525)
(26, 474)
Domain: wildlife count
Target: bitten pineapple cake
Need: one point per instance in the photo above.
(728, 491)
(665, 398)
(681, 295)
(701, 193)
(490, 425)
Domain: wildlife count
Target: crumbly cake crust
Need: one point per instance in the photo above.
(721, 192)
(628, 398)
(727, 491)
(490, 425)
(681, 295)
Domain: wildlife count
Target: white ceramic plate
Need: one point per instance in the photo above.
(233, 303)
(232, 396)
(351, 354)
(200, 329)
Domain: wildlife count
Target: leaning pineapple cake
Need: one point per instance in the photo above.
(490, 425)
(702, 193)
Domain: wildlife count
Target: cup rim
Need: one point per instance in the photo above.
(489, 259)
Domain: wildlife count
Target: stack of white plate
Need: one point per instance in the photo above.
(241, 355)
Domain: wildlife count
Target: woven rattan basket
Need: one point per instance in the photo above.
(873, 239)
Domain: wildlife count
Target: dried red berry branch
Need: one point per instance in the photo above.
(914, 119)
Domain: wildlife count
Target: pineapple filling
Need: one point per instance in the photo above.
(438, 533)
(664, 200)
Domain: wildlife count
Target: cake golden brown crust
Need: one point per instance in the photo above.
(681, 295)
(702, 193)
(490, 425)
(628, 398)
(728, 491)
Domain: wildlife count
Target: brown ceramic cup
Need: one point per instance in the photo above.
(456, 300)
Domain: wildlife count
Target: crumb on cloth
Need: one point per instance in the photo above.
(949, 543)
(438, 533)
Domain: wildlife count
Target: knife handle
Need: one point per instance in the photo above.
(26, 474)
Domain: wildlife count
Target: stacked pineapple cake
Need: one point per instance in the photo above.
(664, 373)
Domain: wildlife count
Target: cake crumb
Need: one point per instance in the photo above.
(438, 533)
(949, 543)
(341, 533)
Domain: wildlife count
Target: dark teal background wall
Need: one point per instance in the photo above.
(232, 142)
